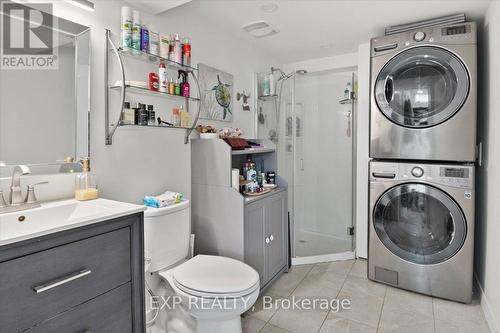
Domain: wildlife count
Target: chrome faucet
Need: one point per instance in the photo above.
(16, 196)
(16, 200)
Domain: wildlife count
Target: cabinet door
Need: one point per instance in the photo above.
(276, 236)
(254, 239)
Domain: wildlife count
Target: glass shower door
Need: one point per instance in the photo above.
(322, 149)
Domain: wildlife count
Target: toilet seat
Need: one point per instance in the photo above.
(214, 277)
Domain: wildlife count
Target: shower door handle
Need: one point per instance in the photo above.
(301, 164)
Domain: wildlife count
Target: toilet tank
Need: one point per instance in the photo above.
(166, 235)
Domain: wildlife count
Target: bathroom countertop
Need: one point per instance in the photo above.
(56, 216)
(249, 199)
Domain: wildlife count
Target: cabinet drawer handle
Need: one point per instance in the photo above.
(62, 280)
(271, 238)
(267, 240)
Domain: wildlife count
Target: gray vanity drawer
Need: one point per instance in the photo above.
(109, 313)
(106, 256)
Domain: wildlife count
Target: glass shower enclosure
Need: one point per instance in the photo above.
(311, 119)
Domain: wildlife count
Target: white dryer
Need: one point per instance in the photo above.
(421, 233)
(423, 94)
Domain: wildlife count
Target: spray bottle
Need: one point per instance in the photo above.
(185, 87)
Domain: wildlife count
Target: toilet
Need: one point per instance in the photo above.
(214, 290)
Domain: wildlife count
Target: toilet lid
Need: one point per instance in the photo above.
(215, 275)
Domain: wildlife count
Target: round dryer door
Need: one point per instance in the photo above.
(422, 87)
(419, 223)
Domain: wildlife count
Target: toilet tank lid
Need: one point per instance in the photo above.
(151, 212)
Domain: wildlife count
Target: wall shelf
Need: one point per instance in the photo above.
(153, 126)
(268, 97)
(120, 52)
(256, 150)
(149, 57)
(146, 91)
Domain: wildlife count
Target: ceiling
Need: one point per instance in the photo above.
(319, 28)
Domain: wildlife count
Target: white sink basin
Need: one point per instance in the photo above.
(60, 215)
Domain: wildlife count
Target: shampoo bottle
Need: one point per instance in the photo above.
(136, 30)
(144, 38)
(86, 185)
(126, 27)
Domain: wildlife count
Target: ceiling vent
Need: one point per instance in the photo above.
(260, 29)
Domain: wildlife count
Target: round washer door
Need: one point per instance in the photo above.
(419, 223)
(422, 87)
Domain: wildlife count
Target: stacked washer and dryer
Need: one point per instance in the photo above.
(423, 150)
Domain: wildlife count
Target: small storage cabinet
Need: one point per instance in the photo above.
(266, 245)
(87, 279)
(227, 223)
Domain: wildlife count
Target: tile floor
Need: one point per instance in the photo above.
(374, 307)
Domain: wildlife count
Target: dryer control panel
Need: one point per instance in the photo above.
(461, 176)
(463, 33)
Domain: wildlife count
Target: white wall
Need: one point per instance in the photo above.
(147, 160)
(488, 175)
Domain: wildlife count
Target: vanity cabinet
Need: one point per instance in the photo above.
(252, 229)
(266, 245)
(87, 279)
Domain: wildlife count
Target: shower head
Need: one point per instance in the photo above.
(301, 71)
(275, 69)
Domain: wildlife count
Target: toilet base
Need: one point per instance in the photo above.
(219, 326)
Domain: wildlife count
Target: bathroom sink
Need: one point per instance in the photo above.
(60, 215)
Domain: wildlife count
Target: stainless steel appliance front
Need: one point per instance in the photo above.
(423, 94)
(421, 233)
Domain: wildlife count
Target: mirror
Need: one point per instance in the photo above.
(44, 111)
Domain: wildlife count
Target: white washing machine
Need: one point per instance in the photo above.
(421, 233)
(423, 94)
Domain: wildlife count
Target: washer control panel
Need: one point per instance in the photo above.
(461, 176)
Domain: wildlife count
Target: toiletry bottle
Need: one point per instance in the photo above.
(128, 114)
(171, 48)
(271, 84)
(136, 30)
(185, 118)
(151, 116)
(176, 117)
(136, 108)
(177, 88)
(266, 91)
(185, 88)
(144, 38)
(143, 115)
(186, 52)
(347, 91)
(154, 42)
(126, 27)
(171, 87)
(162, 77)
(86, 184)
(153, 81)
(178, 50)
(164, 45)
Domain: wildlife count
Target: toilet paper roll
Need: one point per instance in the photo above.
(235, 179)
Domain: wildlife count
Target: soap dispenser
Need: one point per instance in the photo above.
(86, 185)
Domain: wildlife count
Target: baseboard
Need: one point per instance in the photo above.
(487, 310)
(323, 258)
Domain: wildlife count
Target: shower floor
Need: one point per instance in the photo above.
(309, 243)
